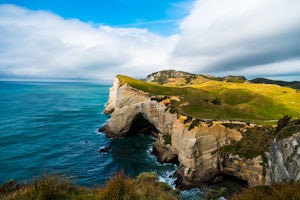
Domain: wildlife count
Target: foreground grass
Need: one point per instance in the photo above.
(119, 187)
(209, 99)
(275, 192)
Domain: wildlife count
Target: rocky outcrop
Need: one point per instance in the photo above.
(195, 144)
(162, 76)
(165, 153)
(284, 159)
(251, 170)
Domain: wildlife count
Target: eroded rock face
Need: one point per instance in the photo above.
(200, 160)
(251, 170)
(196, 147)
(284, 160)
(125, 103)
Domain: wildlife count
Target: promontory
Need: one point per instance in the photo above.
(212, 126)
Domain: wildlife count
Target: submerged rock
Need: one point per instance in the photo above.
(165, 154)
(104, 149)
(191, 194)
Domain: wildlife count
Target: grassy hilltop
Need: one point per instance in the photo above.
(228, 98)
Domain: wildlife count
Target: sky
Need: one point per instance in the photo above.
(96, 40)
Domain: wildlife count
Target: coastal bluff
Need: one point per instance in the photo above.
(198, 146)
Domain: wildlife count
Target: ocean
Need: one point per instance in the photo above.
(52, 128)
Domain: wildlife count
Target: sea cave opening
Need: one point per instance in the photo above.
(140, 125)
(232, 183)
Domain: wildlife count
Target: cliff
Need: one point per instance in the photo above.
(198, 145)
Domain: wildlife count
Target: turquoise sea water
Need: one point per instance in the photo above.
(52, 128)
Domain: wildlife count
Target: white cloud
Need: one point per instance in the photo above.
(42, 44)
(233, 36)
(252, 38)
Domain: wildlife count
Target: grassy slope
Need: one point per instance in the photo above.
(210, 99)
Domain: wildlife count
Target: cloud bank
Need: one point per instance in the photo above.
(258, 37)
(42, 44)
(252, 38)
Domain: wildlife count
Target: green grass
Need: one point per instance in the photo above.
(248, 102)
(118, 187)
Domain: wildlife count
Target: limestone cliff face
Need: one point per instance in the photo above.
(125, 103)
(199, 157)
(196, 146)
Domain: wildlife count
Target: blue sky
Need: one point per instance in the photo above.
(160, 16)
(95, 40)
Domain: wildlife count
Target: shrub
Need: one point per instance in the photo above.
(216, 193)
(118, 187)
(121, 187)
(148, 175)
(216, 101)
(167, 139)
(194, 123)
(283, 122)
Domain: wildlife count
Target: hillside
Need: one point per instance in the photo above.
(293, 84)
(227, 98)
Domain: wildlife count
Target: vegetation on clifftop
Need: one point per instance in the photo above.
(205, 98)
(257, 140)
